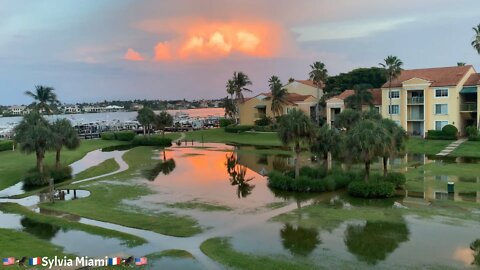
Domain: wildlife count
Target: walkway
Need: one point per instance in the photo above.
(451, 147)
(182, 137)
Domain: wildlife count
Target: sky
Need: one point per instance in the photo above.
(96, 50)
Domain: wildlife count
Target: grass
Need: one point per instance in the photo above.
(467, 149)
(220, 250)
(18, 244)
(129, 240)
(429, 147)
(194, 204)
(14, 164)
(218, 135)
(105, 202)
(172, 253)
(108, 166)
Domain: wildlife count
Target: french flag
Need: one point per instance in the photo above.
(114, 261)
(140, 261)
(35, 261)
(9, 261)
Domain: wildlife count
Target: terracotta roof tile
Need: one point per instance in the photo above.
(376, 93)
(473, 80)
(444, 76)
(310, 83)
(291, 97)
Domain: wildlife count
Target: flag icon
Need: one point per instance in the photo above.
(140, 261)
(35, 261)
(114, 261)
(8, 261)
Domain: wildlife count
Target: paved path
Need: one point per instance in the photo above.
(449, 149)
(182, 137)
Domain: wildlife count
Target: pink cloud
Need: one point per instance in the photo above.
(132, 55)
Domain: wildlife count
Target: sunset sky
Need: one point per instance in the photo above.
(174, 49)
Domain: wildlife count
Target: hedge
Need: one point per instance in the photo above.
(237, 128)
(6, 145)
(34, 178)
(439, 135)
(108, 136)
(371, 189)
(225, 122)
(126, 135)
(153, 140)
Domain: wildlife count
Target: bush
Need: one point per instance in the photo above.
(439, 135)
(305, 183)
(450, 130)
(154, 140)
(6, 145)
(372, 189)
(315, 173)
(124, 135)
(397, 179)
(472, 133)
(108, 136)
(34, 178)
(265, 128)
(237, 128)
(264, 121)
(225, 122)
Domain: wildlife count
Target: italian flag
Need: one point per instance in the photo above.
(114, 261)
(35, 261)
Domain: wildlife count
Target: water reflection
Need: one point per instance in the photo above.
(298, 240)
(237, 173)
(375, 240)
(475, 247)
(41, 230)
(165, 167)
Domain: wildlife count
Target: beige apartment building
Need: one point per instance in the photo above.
(428, 99)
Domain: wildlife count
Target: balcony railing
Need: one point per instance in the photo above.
(417, 117)
(468, 107)
(415, 100)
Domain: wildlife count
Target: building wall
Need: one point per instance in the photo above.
(302, 89)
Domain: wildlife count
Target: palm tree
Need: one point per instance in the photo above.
(367, 140)
(297, 129)
(231, 88)
(279, 95)
(240, 82)
(396, 145)
(229, 109)
(64, 135)
(146, 118)
(319, 75)
(476, 39)
(328, 140)
(347, 119)
(361, 96)
(393, 68)
(163, 120)
(44, 98)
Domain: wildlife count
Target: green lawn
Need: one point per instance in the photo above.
(429, 147)
(13, 165)
(105, 202)
(129, 240)
(18, 244)
(218, 135)
(108, 166)
(468, 149)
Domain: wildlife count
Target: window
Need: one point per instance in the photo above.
(395, 94)
(394, 109)
(441, 108)
(441, 92)
(440, 124)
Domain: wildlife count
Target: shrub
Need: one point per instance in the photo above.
(371, 189)
(34, 178)
(108, 136)
(225, 122)
(265, 128)
(154, 140)
(264, 121)
(6, 145)
(237, 128)
(450, 130)
(125, 135)
(397, 179)
(472, 131)
(314, 173)
(439, 135)
(305, 183)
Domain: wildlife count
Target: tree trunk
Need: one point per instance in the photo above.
(144, 130)
(297, 163)
(385, 166)
(51, 189)
(57, 158)
(40, 163)
(325, 161)
(318, 106)
(367, 171)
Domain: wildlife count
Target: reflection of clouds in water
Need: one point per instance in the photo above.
(464, 255)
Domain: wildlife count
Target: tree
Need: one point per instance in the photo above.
(397, 136)
(374, 76)
(163, 120)
(347, 119)
(291, 80)
(279, 95)
(237, 173)
(318, 75)
(146, 118)
(300, 241)
(63, 135)
(44, 98)
(476, 39)
(393, 68)
(296, 128)
(328, 140)
(240, 81)
(361, 96)
(367, 140)
(229, 105)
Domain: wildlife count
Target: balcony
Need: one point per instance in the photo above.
(416, 117)
(468, 107)
(260, 115)
(415, 100)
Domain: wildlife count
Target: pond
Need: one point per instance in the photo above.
(224, 187)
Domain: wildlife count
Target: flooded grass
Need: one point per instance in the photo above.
(201, 206)
(107, 166)
(218, 135)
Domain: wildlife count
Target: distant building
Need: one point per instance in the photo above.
(71, 109)
(136, 107)
(93, 109)
(18, 110)
(304, 87)
(114, 108)
(336, 104)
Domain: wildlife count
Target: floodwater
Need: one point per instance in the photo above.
(187, 180)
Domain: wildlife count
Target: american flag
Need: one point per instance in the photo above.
(9, 261)
(141, 261)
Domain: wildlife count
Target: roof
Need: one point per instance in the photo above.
(473, 80)
(291, 97)
(376, 94)
(444, 76)
(309, 83)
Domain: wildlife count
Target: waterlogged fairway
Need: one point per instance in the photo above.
(18, 244)
(105, 202)
(14, 164)
(108, 166)
(218, 135)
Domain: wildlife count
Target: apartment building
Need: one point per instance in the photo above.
(428, 99)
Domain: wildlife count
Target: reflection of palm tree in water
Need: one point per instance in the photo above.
(299, 240)
(475, 246)
(165, 166)
(237, 173)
